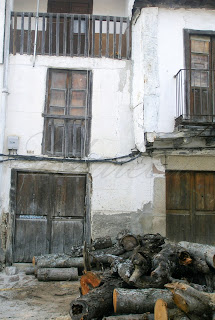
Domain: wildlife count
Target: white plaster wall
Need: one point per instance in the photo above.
(30, 5)
(158, 54)
(110, 7)
(171, 54)
(2, 21)
(111, 133)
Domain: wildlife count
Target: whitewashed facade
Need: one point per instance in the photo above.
(133, 105)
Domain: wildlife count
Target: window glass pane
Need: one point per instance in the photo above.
(79, 80)
(58, 80)
(78, 99)
(77, 112)
(199, 61)
(57, 111)
(58, 98)
(58, 136)
(199, 78)
(48, 135)
(200, 46)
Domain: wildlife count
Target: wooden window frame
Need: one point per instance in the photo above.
(187, 50)
(70, 123)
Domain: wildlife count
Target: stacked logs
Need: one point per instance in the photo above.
(140, 277)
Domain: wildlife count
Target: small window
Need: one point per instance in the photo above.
(67, 113)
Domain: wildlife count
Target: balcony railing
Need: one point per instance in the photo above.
(70, 35)
(195, 100)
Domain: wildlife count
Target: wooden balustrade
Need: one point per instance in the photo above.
(70, 35)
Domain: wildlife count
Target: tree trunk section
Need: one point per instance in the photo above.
(96, 303)
(88, 281)
(145, 316)
(57, 274)
(102, 243)
(139, 300)
(58, 261)
(202, 251)
(192, 301)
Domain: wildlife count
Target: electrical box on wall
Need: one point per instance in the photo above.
(12, 143)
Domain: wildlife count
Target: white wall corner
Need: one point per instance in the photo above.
(2, 23)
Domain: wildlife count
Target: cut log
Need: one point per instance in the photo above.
(57, 261)
(129, 242)
(125, 270)
(162, 312)
(145, 316)
(57, 274)
(192, 301)
(115, 250)
(139, 301)
(96, 303)
(88, 281)
(102, 243)
(202, 251)
(151, 244)
(30, 270)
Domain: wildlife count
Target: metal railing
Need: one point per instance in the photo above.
(70, 35)
(195, 95)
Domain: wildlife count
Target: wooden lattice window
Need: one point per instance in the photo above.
(67, 113)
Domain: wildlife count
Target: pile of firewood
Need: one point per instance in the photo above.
(137, 277)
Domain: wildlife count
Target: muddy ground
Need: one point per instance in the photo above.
(24, 297)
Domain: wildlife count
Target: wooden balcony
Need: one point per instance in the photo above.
(70, 35)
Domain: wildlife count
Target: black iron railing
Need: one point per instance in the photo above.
(70, 35)
(195, 96)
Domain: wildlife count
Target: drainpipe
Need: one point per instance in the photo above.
(36, 32)
(8, 5)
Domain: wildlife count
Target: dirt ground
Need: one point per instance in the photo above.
(24, 297)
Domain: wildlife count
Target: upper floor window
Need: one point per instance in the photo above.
(200, 64)
(67, 113)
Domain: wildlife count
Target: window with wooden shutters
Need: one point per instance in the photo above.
(67, 114)
(200, 58)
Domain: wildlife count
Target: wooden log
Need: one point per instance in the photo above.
(57, 274)
(89, 280)
(58, 261)
(125, 270)
(129, 242)
(96, 303)
(30, 270)
(192, 301)
(102, 243)
(162, 312)
(151, 244)
(202, 251)
(115, 250)
(139, 300)
(145, 316)
(165, 263)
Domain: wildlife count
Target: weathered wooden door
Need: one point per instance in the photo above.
(50, 214)
(190, 203)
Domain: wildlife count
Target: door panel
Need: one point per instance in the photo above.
(190, 204)
(30, 239)
(66, 234)
(50, 214)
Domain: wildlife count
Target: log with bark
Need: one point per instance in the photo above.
(57, 274)
(102, 243)
(58, 261)
(204, 252)
(192, 301)
(163, 312)
(96, 303)
(145, 316)
(89, 280)
(139, 301)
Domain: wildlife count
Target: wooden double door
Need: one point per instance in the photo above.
(190, 203)
(50, 214)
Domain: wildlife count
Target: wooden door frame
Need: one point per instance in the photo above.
(13, 199)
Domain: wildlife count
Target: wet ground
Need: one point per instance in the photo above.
(24, 297)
